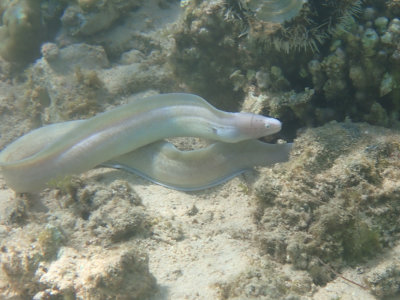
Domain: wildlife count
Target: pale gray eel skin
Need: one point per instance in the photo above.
(162, 163)
(55, 151)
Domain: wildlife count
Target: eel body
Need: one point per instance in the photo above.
(61, 149)
(161, 162)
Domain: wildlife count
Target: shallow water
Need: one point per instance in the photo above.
(323, 225)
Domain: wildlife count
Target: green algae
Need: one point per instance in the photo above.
(331, 206)
(50, 240)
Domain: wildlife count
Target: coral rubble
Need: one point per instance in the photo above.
(56, 259)
(334, 203)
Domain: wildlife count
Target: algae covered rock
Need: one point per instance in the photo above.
(91, 16)
(110, 274)
(87, 245)
(334, 203)
(68, 79)
(21, 30)
(205, 46)
(268, 280)
(384, 279)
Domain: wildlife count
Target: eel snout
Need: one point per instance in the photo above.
(254, 126)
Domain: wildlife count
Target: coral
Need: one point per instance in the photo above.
(384, 280)
(393, 7)
(378, 115)
(205, 45)
(334, 66)
(360, 84)
(22, 255)
(308, 28)
(267, 283)
(325, 204)
(369, 42)
(381, 24)
(21, 32)
(346, 234)
(112, 274)
(91, 16)
(355, 74)
(387, 85)
(136, 77)
(17, 213)
(68, 254)
(118, 220)
(224, 68)
(50, 51)
(18, 266)
(250, 50)
(68, 81)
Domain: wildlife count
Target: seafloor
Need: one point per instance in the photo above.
(324, 225)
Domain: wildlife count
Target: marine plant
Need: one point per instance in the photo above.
(294, 24)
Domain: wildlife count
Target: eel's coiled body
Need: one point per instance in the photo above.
(61, 149)
(161, 162)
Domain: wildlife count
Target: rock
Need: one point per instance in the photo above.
(333, 200)
(21, 32)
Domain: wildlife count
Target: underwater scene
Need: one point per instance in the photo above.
(199, 149)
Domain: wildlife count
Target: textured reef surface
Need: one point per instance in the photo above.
(335, 203)
(340, 57)
(324, 225)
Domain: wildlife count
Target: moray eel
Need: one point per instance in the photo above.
(162, 163)
(55, 151)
